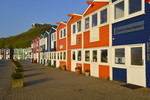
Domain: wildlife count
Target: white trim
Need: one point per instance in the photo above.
(126, 11)
(65, 28)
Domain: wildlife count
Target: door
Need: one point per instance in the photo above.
(57, 60)
(136, 70)
(73, 60)
(94, 64)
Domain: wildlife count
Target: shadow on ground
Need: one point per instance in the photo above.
(36, 82)
(131, 86)
(30, 75)
(29, 69)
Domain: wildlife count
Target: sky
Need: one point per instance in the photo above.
(17, 16)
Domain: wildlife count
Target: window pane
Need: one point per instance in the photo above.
(58, 56)
(54, 36)
(61, 34)
(119, 10)
(95, 56)
(64, 32)
(103, 16)
(79, 26)
(136, 56)
(74, 29)
(74, 56)
(134, 6)
(64, 55)
(54, 55)
(148, 47)
(119, 56)
(87, 23)
(50, 56)
(94, 20)
(61, 55)
(148, 57)
(87, 55)
(79, 55)
(79, 39)
(104, 56)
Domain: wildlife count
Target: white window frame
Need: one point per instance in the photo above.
(72, 27)
(126, 11)
(92, 19)
(100, 51)
(65, 55)
(124, 66)
(98, 18)
(81, 55)
(77, 26)
(53, 39)
(105, 8)
(89, 22)
(62, 33)
(46, 43)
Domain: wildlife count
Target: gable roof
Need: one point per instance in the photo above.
(74, 15)
(93, 6)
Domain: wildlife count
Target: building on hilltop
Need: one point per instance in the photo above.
(38, 24)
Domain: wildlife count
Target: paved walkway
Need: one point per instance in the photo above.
(5, 78)
(44, 83)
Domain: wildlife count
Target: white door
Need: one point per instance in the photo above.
(57, 61)
(73, 60)
(94, 64)
(136, 69)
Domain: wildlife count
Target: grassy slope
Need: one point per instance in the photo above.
(24, 39)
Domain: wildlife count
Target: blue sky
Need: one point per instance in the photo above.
(16, 16)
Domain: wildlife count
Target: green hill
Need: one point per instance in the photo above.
(24, 39)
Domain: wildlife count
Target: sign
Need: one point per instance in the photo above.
(129, 28)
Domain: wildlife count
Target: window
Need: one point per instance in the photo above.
(104, 56)
(79, 26)
(54, 36)
(58, 56)
(87, 23)
(64, 56)
(103, 16)
(95, 56)
(50, 56)
(79, 39)
(148, 51)
(61, 33)
(94, 20)
(74, 28)
(134, 6)
(61, 55)
(74, 56)
(79, 56)
(120, 56)
(54, 55)
(64, 32)
(119, 10)
(136, 56)
(87, 55)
